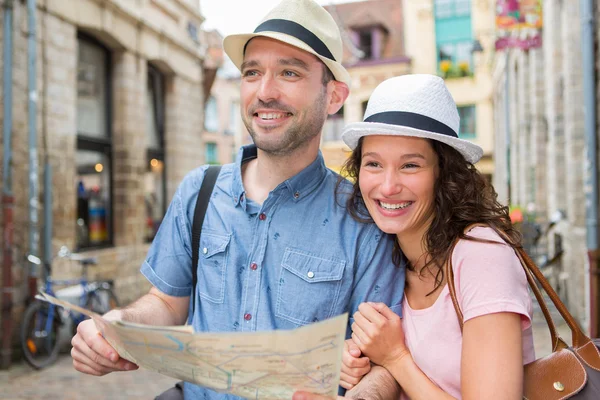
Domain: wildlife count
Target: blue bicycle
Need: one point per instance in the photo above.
(42, 322)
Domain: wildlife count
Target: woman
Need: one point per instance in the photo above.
(416, 180)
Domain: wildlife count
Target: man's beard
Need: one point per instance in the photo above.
(296, 136)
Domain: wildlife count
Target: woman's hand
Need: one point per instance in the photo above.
(377, 331)
(354, 367)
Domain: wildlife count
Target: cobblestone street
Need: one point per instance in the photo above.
(62, 382)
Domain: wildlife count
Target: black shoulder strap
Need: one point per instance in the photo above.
(210, 178)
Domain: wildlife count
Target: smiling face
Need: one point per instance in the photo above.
(397, 181)
(284, 101)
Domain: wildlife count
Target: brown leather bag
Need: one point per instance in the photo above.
(568, 372)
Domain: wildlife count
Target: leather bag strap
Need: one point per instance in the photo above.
(531, 271)
(208, 183)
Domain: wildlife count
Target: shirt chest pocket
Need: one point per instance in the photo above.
(309, 287)
(213, 266)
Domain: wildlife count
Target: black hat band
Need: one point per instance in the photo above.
(412, 120)
(298, 31)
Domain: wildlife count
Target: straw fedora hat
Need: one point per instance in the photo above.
(413, 105)
(303, 24)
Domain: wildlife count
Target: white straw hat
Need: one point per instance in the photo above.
(413, 105)
(303, 24)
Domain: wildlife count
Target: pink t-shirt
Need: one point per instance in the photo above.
(489, 279)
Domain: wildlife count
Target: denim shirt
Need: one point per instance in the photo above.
(296, 259)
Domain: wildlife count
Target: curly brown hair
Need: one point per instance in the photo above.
(463, 197)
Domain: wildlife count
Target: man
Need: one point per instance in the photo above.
(278, 250)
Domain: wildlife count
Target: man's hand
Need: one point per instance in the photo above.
(354, 367)
(93, 355)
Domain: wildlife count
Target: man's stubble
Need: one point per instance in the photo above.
(299, 134)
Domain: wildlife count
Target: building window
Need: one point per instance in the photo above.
(155, 177)
(211, 115)
(211, 153)
(452, 8)
(468, 127)
(456, 52)
(369, 41)
(365, 43)
(93, 158)
(363, 107)
(454, 37)
(332, 131)
(234, 116)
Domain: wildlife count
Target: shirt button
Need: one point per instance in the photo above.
(253, 266)
(204, 250)
(310, 274)
(262, 216)
(247, 317)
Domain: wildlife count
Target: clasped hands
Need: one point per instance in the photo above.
(377, 337)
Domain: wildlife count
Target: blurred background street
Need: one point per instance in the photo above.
(61, 382)
(105, 105)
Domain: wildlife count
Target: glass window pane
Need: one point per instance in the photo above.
(365, 43)
(463, 52)
(332, 131)
(447, 51)
(91, 90)
(154, 196)
(452, 8)
(468, 129)
(444, 8)
(211, 115)
(462, 7)
(93, 198)
(152, 133)
(334, 125)
(456, 52)
(234, 117)
(211, 153)
(154, 109)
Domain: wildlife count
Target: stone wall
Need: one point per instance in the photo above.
(136, 35)
(547, 165)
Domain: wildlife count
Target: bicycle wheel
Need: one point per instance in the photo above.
(40, 347)
(101, 301)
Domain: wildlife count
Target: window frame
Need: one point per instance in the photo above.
(452, 18)
(334, 124)
(154, 75)
(216, 152)
(212, 100)
(101, 145)
(468, 135)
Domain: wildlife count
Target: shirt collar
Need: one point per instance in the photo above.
(299, 185)
(245, 154)
(303, 183)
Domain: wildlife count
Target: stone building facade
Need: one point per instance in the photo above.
(120, 100)
(386, 38)
(223, 127)
(540, 144)
(372, 33)
(432, 39)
